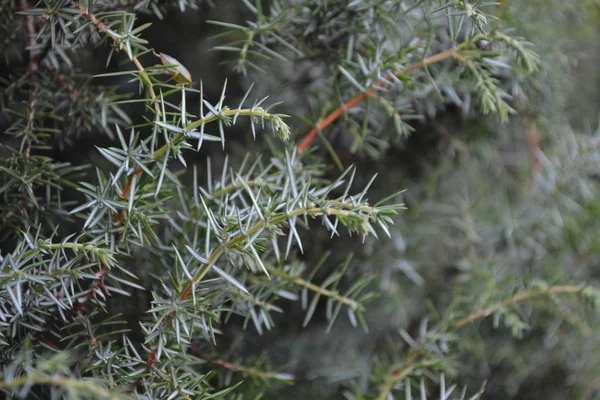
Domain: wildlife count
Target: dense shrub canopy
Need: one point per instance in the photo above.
(298, 199)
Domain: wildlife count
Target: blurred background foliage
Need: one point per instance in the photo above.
(491, 208)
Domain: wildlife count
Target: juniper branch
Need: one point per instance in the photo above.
(397, 374)
(333, 116)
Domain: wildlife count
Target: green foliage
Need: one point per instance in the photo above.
(130, 277)
(392, 42)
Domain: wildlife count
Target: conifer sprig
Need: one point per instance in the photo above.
(382, 72)
(428, 350)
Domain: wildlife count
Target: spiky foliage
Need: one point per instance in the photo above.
(197, 251)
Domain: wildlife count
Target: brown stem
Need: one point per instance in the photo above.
(125, 194)
(150, 362)
(533, 145)
(103, 28)
(99, 25)
(238, 367)
(29, 22)
(351, 103)
(397, 374)
(79, 308)
(32, 72)
(66, 84)
(221, 363)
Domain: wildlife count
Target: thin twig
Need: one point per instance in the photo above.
(103, 28)
(150, 362)
(97, 284)
(66, 84)
(29, 22)
(351, 103)
(398, 374)
(221, 363)
(533, 145)
(32, 71)
(238, 367)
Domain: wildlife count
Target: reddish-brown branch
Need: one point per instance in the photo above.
(150, 362)
(98, 283)
(67, 85)
(125, 194)
(29, 22)
(346, 106)
(49, 343)
(215, 361)
(33, 65)
(235, 367)
(99, 25)
(186, 292)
